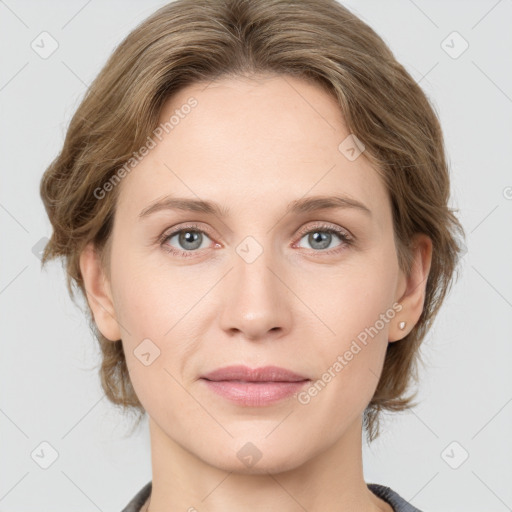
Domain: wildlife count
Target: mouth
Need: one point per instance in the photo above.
(245, 374)
(254, 387)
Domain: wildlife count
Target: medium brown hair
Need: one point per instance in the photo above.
(191, 41)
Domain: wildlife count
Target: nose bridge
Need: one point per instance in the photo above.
(255, 298)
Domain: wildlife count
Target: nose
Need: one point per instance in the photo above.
(257, 302)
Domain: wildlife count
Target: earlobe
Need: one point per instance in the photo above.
(413, 298)
(99, 296)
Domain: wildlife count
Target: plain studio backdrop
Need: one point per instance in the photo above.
(451, 453)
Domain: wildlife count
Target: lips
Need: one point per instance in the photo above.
(257, 387)
(242, 373)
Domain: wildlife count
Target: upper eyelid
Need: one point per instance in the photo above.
(192, 226)
(324, 225)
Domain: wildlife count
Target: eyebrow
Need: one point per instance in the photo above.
(303, 205)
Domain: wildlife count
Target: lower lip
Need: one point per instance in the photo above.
(254, 394)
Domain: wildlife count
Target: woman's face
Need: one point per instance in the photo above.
(263, 277)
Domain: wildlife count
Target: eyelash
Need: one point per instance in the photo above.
(324, 228)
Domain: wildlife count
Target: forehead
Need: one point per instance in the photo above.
(248, 140)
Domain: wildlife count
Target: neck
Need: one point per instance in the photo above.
(330, 481)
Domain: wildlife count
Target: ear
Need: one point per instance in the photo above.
(412, 296)
(99, 295)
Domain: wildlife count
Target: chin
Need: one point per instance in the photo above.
(257, 457)
(270, 465)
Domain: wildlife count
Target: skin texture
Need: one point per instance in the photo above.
(253, 146)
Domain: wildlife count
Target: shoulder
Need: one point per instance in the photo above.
(391, 497)
(139, 499)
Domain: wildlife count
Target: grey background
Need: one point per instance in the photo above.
(50, 390)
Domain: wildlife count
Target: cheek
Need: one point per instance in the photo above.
(349, 366)
(351, 299)
(157, 309)
(150, 299)
(153, 348)
(356, 309)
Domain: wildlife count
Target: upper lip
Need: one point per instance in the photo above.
(246, 374)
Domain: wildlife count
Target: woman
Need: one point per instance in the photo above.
(253, 199)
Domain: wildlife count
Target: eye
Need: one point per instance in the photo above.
(188, 239)
(321, 238)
